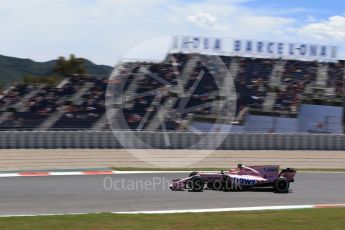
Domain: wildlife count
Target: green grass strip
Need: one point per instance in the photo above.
(315, 219)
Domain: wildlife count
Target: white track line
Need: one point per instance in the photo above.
(48, 214)
(240, 209)
(156, 172)
(38, 174)
(321, 171)
(74, 173)
(9, 175)
(220, 209)
(260, 208)
(66, 173)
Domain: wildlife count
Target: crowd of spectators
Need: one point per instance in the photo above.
(252, 81)
(84, 112)
(152, 85)
(37, 108)
(335, 78)
(8, 99)
(156, 84)
(296, 76)
(13, 94)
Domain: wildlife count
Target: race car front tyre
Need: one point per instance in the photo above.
(282, 185)
(197, 184)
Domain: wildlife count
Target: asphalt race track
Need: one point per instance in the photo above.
(140, 192)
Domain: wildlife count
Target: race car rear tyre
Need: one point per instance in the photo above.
(282, 185)
(197, 184)
(193, 173)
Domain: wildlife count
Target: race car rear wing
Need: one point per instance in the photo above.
(288, 173)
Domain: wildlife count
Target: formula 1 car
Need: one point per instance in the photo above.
(240, 178)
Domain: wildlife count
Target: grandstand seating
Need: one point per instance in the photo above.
(149, 84)
(87, 111)
(13, 94)
(336, 77)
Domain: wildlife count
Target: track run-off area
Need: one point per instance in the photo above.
(42, 159)
(138, 192)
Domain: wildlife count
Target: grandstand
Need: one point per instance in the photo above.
(75, 103)
(275, 88)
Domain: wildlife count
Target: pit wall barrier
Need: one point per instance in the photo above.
(171, 140)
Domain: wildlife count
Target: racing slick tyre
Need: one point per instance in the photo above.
(197, 184)
(193, 173)
(282, 185)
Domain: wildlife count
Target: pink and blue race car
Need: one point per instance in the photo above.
(240, 178)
